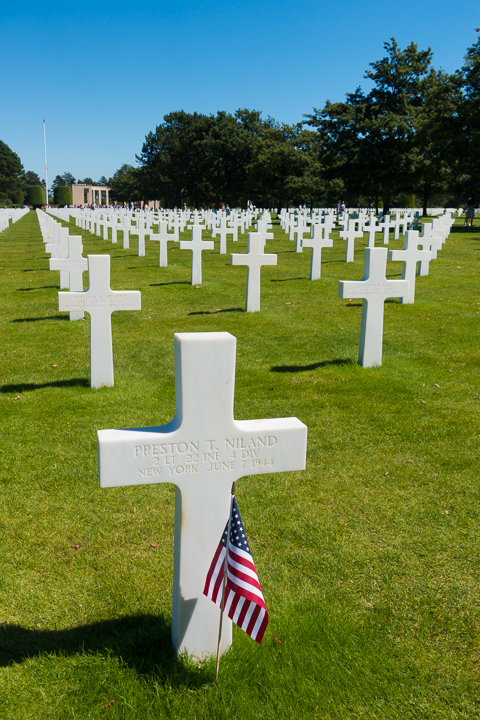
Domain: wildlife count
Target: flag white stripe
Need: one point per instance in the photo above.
(238, 609)
(248, 615)
(258, 624)
(246, 586)
(242, 553)
(228, 604)
(242, 568)
(218, 570)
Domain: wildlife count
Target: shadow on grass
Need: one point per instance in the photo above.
(141, 642)
(173, 282)
(215, 312)
(49, 317)
(42, 287)
(26, 387)
(312, 366)
(287, 279)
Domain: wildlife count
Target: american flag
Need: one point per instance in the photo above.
(244, 603)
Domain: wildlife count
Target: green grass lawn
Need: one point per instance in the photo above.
(368, 560)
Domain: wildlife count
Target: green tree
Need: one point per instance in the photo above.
(86, 181)
(35, 196)
(468, 118)
(125, 185)
(203, 159)
(11, 176)
(370, 140)
(31, 178)
(172, 160)
(435, 133)
(62, 195)
(103, 182)
(278, 166)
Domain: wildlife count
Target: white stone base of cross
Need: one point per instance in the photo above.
(203, 450)
(374, 289)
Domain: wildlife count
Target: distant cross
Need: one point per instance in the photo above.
(223, 231)
(386, 229)
(141, 231)
(163, 238)
(300, 230)
(371, 229)
(126, 227)
(397, 221)
(410, 255)
(317, 241)
(100, 302)
(202, 451)
(196, 245)
(59, 249)
(254, 259)
(374, 289)
(350, 234)
(105, 224)
(114, 225)
(75, 265)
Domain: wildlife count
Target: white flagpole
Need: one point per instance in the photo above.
(222, 607)
(46, 173)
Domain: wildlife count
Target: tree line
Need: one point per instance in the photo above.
(415, 134)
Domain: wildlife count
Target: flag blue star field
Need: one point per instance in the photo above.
(244, 603)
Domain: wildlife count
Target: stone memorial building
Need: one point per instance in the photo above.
(90, 195)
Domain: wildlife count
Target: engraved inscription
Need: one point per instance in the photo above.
(170, 459)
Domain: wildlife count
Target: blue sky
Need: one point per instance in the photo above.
(104, 74)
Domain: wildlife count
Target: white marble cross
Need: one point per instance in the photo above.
(196, 245)
(300, 230)
(371, 229)
(374, 289)
(75, 265)
(100, 302)
(254, 259)
(317, 241)
(386, 229)
(141, 231)
(430, 240)
(410, 255)
(202, 451)
(59, 249)
(350, 234)
(126, 227)
(163, 238)
(223, 231)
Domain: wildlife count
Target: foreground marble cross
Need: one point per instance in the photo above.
(254, 259)
(374, 289)
(100, 302)
(202, 451)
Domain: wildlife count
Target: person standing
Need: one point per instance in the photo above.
(469, 211)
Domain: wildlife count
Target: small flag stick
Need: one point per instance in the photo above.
(222, 607)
